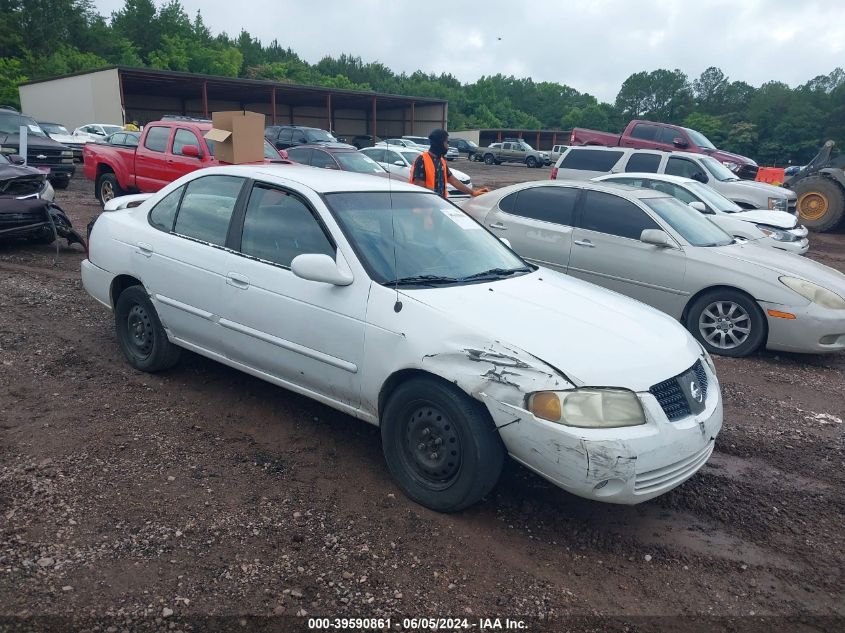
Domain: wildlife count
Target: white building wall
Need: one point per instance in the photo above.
(74, 101)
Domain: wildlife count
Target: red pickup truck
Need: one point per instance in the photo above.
(666, 137)
(167, 150)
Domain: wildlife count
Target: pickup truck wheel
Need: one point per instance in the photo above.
(107, 188)
(141, 337)
(440, 445)
(531, 162)
(488, 159)
(727, 322)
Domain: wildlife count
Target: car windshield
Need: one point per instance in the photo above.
(54, 128)
(355, 161)
(713, 198)
(689, 223)
(111, 129)
(10, 123)
(699, 139)
(319, 136)
(420, 240)
(719, 171)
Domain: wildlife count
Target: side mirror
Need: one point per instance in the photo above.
(16, 159)
(191, 150)
(700, 176)
(656, 237)
(698, 206)
(679, 142)
(321, 268)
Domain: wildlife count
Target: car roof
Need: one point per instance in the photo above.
(315, 178)
(329, 147)
(678, 180)
(592, 185)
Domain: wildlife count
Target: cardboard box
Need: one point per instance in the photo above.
(238, 136)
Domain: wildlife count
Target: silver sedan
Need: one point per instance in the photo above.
(647, 245)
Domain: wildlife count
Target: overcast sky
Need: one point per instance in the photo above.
(590, 45)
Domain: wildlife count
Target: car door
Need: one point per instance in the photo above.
(150, 160)
(183, 259)
(537, 221)
(607, 251)
(307, 333)
(177, 163)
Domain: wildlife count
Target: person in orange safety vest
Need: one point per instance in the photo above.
(431, 171)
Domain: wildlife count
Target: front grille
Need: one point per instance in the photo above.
(748, 172)
(51, 156)
(671, 397)
(667, 477)
(11, 220)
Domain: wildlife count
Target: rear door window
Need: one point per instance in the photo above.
(612, 215)
(156, 139)
(206, 208)
(591, 159)
(299, 155)
(547, 204)
(645, 132)
(643, 162)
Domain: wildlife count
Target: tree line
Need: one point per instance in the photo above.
(775, 124)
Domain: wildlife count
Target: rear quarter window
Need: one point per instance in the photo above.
(156, 140)
(590, 159)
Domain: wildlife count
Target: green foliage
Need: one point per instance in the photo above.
(773, 124)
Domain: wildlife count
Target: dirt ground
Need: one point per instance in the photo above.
(204, 499)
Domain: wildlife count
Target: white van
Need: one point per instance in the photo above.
(586, 162)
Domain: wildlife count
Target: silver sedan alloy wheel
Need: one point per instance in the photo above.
(725, 324)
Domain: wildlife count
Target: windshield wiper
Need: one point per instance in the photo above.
(496, 273)
(430, 280)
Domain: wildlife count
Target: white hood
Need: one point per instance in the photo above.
(764, 187)
(594, 336)
(777, 219)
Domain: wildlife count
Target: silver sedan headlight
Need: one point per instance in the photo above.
(815, 293)
(589, 407)
(778, 234)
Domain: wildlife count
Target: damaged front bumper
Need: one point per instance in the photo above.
(625, 465)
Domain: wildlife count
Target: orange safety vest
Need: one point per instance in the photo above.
(428, 162)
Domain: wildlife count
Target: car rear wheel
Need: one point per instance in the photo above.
(440, 445)
(727, 322)
(141, 337)
(108, 188)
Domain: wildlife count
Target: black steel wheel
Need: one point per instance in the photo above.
(141, 337)
(440, 445)
(488, 159)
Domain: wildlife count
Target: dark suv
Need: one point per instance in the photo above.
(284, 136)
(43, 153)
(464, 146)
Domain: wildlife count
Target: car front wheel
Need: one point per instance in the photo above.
(489, 160)
(727, 322)
(440, 445)
(531, 162)
(141, 337)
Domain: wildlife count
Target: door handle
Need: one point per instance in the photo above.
(586, 243)
(499, 226)
(144, 249)
(237, 280)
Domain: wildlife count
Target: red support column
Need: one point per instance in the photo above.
(443, 117)
(537, 146)
(273, 105)
(499, 136)
(413, 117)
(122, 100)
(329, 112)
(554, 139)
(205, 99)
(374, 122)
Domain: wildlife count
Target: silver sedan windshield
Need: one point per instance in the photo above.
(689, 223)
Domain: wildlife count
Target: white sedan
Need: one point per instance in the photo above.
(400, 160)
(384, 301)
(764, 227)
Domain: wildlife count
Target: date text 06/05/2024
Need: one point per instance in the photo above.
(410, 624)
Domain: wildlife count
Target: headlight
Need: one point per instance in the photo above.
(7, 150)
(589, 408)
(777, 204)
(734, 167)
(814, 293)
(778, 234)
